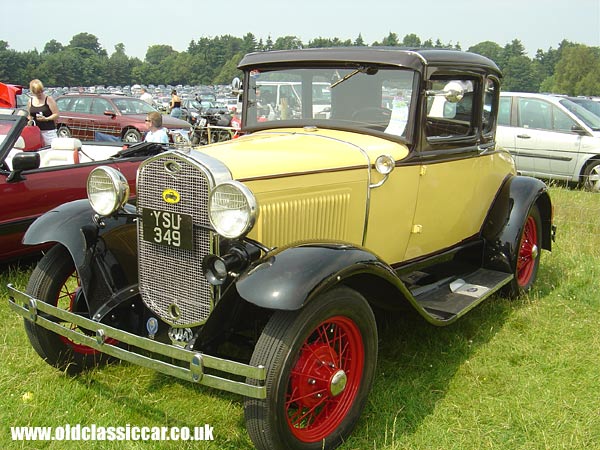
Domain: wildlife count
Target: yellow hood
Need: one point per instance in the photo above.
(297, 150)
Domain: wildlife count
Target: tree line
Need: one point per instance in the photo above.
(571, 68)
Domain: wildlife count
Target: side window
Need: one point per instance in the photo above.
(535, 113)
(451, 108)
(562, 122)
(100, 105)
(82, 104)
(65, 104)
(504, 111)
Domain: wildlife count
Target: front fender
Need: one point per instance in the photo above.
(290, 277)
(105, 257)
(504, 224)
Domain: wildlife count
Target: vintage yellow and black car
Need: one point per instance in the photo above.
(366, 178)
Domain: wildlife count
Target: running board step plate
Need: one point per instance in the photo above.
(454, 296)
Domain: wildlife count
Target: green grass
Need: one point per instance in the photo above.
(521, 374)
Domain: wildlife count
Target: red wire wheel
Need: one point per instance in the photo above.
(55, 281)
(528, 253)
(320, 363)
(325, 380)
(66, 299)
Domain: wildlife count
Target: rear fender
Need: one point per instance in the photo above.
(504, 224)
(105, 257)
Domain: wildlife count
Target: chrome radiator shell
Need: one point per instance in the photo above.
(171, 281)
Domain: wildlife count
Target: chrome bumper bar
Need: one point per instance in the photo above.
(194, 362)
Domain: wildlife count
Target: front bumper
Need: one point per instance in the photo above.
(58, 321)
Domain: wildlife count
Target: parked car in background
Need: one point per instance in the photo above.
(285, 240)
(82, 115)
(551, 137)
(33, 182)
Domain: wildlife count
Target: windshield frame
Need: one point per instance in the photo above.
(368, 82)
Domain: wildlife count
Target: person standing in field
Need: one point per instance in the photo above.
(146, 96)
(43, 110)
(175, 105)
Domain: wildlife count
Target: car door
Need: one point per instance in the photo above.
(459, 168)
(75, 116)
(103, 115)
(545, 145)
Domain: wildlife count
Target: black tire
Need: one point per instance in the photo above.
(527, 258)
(54, 280)
(320, 364)
(591, 176)
(132, 135)
(63, 131)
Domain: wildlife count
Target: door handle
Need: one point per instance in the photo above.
(523, 136)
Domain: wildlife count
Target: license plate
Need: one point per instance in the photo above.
(167, 228)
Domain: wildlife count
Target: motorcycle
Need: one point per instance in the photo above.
(212, 126)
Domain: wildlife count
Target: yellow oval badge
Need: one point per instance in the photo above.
(171, 196)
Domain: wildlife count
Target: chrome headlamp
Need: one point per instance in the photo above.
(107, 190)
(232, 209)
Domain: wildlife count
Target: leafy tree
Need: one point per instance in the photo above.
(118, 66)
(391, 40)
(488, 49)
(520, 75)
(249, 43)
(87, 41)
(578, 71)
(328, 42)
(157, 53)
(53, 46)
(229, 71)
(359, 42)
(287, 43)
(411, 40)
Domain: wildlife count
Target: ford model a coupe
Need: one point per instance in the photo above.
(377, 185)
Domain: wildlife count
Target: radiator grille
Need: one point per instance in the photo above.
(171, 278)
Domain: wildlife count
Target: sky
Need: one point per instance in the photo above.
(538, 24)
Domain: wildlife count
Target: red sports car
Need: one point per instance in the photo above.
(34, 180)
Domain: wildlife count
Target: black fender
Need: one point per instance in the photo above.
(288, 278)
(105, 256)
(504, 224)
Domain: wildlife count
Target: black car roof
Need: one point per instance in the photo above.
(416, 59)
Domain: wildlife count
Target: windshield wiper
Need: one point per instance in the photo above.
(362, 69)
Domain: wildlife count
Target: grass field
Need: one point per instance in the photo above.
(521, 374)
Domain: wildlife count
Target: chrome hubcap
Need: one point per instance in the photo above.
(337, 383)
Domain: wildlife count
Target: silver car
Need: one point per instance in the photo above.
(551, 137)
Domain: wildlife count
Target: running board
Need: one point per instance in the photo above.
(451, 297)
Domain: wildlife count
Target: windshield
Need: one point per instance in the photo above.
(586, 116)
(371, 98)
(590, 105)
(132, 106)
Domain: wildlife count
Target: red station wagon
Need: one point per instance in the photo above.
(82, 115)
